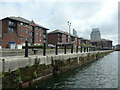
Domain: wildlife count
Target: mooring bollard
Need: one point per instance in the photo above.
(56, 50)
(72, 49)
(81, 49)
(44, 49)
(76, 49)
(26, 48)
(84, 49)
(65, 49)
(87, 49)
(3, 65)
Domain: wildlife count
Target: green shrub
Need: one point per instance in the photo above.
(34, 46)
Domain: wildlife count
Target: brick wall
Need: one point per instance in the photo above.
(63, 38)
(10, 37)
(52, 39)
(21, 33)
(39, 36)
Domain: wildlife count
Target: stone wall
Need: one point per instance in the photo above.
(21, 72)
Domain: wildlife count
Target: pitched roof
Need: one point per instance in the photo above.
(58, 31)
(25, 21)
(19, 19)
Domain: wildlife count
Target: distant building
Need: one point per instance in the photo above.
(117, 47)
(95, 34)
(18, 30)
(74, 32)
(102, 43)
(61, 37)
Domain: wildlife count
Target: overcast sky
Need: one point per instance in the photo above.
(54, 15)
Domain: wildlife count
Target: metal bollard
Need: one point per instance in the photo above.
(76, 49)
(44, 49)
(72, 49)
(84, 49)
(26, 48)
(87, 49)
(56, 50)
(81, 49)
(64, 49)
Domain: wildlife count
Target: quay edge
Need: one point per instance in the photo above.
(21, 72)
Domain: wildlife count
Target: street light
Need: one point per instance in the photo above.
(69, 24)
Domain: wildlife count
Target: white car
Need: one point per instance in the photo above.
(51, 46)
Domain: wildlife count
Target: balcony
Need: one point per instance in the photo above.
(12, 24)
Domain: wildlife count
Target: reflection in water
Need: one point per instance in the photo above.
(100, 74)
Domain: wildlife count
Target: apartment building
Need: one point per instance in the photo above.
(102, 43)
(18, 30)
(58, 36)
(85, 41)
(61, 37)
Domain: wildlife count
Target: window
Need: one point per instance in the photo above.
(31, 40)
(11, 23)
(36, 28)
(21, 37)
(41, 30)
(36, 39)
(44, 32)
(21, 30)
(26, 25)
(40, 40)
(40, 34)
(10, 29)
(31, 33)
(21, 23)
(27, 32)
(44, 36)
(26, 38)
(36, 33)
(31, 28)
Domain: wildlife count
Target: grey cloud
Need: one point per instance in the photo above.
(83, 15)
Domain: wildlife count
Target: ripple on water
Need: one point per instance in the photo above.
(100, 74)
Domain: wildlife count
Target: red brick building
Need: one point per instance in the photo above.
(85, 41)
(61, 37)
(57, 36)
(102, 43)
(18, 30)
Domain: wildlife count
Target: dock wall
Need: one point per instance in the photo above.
(19, 72)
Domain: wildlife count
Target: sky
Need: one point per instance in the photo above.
(54, 14)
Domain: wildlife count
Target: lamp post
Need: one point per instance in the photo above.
(69, 24)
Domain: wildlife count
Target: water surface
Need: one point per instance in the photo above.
(102, 73)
